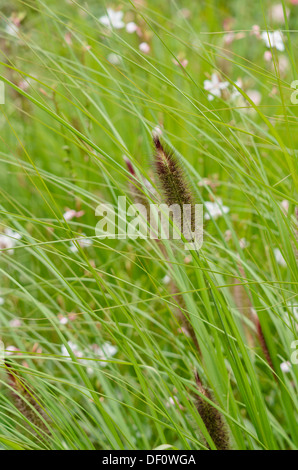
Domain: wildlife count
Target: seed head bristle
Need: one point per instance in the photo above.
(212, 418)
(243, 304)
(263, 342)
(25, 401)
(172, 179)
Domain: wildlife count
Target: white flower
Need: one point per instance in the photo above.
(283, 64)
(8, 240)
(255, 30)
(63, 320)
(166, 279)
(106, 351)
(255, 96)
(15, 323)
(114, 59)
(10, 350)
(228, 235)
(267, 56)
(82, 241)
(12, 29)
(215, 209)
(144, 47)
(229, 38)
(235, 93)
(75, 349)
(214, 86)
(279, 257)
(173, 401)
(113, 19)
(285, 367)
(73, 248)
(182, 62)
(285, 205)
(2, 301)
(243, 243)
(277, 13)
(131, 27)
(274, 39)
(184, 331)
(25, 84)
(71, 213)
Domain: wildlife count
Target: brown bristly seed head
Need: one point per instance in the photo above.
(243, 303)
(212, 418)
(263, 342)
(23, 399)
(171, 176)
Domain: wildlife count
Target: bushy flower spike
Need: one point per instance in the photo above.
(172, 179)
(212, 418)
(243, 304)
(263, 342)
(25, 401)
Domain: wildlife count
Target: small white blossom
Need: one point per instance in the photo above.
(236, 93)
(214, 86)
(184, 331)
(113, 19)
(166, 280)
(215, 209)
(173, 401)
(82, 241)
(285, 205)
(63, 320)
(15, 323)
(144, 47)
(2, 301)
(279, 257)
(25, 84)
(114, 59)
(131, 27)
(75, 349)
(104, 352)
(243, 243)
(255, 30)
(71, 213)
(255, 96)
(10, 350)
(228, 235)
(8, 240)
(283, 64)
(274, 39)
(285, 367)
(12, 29)
(182, 62)
(277, 13)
